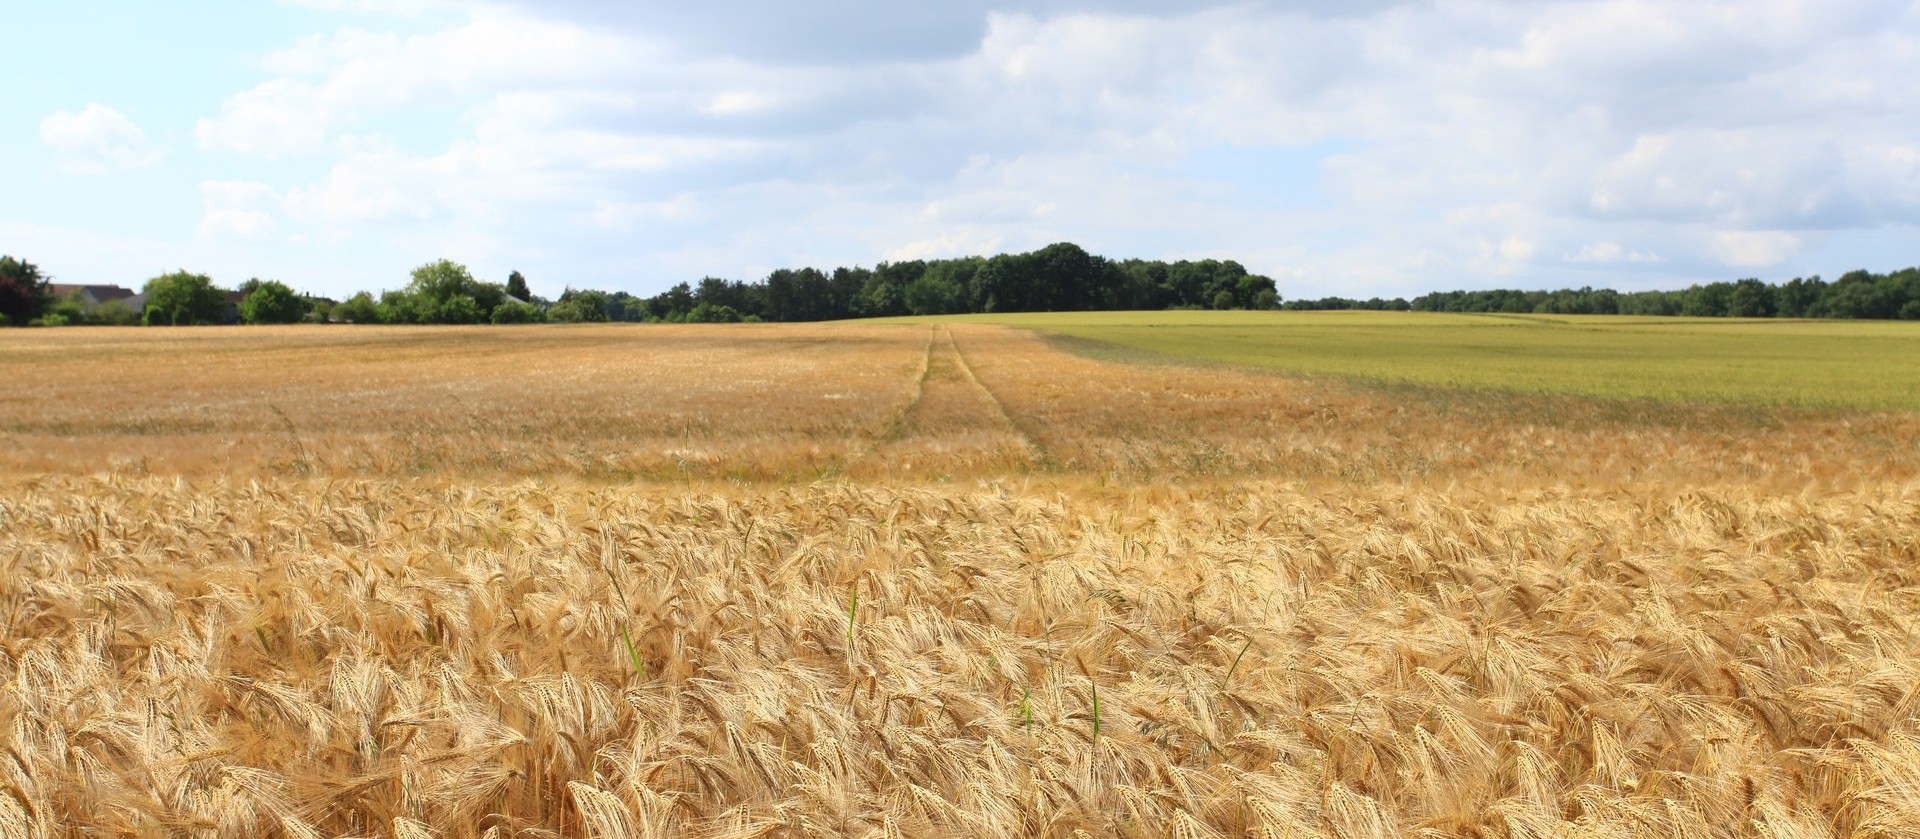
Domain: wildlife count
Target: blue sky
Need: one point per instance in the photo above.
(1344, 148)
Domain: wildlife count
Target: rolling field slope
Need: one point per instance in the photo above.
(934, 579)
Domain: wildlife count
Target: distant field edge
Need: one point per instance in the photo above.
(1647, 364)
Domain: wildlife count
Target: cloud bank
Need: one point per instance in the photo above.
(1343, 148)
(97, 140)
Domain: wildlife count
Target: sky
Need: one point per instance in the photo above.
(1359, 148)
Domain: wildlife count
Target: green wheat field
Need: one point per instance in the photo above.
(1820, 364)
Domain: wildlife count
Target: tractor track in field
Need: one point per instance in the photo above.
(891, 429)
(1035, 452)
(950, 422)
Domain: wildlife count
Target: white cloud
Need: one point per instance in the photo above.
(273, 119)
(375, 185)
(1755, 248)
(1610, 252)
(239, 209)
(1392, 149)
(326, 83)
(946, 246)
(1516, 249)
(98, 140)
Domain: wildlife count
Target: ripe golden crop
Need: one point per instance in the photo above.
(886, 580)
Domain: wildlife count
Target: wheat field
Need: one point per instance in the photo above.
(1859, 364)
(877, 580)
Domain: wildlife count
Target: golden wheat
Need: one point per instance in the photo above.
(1105, 600)
(796, 403)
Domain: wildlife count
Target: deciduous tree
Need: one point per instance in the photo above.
(271, 301)
(181, 298)
(23, 291)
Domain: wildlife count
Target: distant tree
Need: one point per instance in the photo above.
(996, 286)
(271, 301)
(487, 296)
(674, 302)
(1798, 297)
(1750, 299)
(70, 308)
(714, 291)
(23, 291)
(459, 309)
(398, 307)
(803, 294)
(1223, 299)
(444, 291)
(935, 293)
(1651, 303)
(844, 287)
(517, 287)
(579, 306)
(319, 310)
(184, 299)
(704, 312)
(1903, 287)
(516, 312)
(885, 291)
(1707, 301)
(1248, 288)
(1266, 298)
(1858, 294)
(439, 280)
(625, 308)
(115, 313)
(359, 308)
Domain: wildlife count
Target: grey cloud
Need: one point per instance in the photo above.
(866, 31)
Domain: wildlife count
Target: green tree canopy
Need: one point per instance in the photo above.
(579, 306)
(705, 312)
(444, 291)
(272, 301)
(515, 312)
(517, 286)
(359, 308)
(23, 291)
(183, 299)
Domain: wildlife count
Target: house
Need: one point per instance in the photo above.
(234, 299)
(102, 303)
(93, 295)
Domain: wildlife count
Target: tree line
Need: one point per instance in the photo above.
(1059, 277)
(1855, 295)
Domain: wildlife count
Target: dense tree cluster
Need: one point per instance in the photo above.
(184, 299)
(1859, 294)
(1057, 278)
(271, 301)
